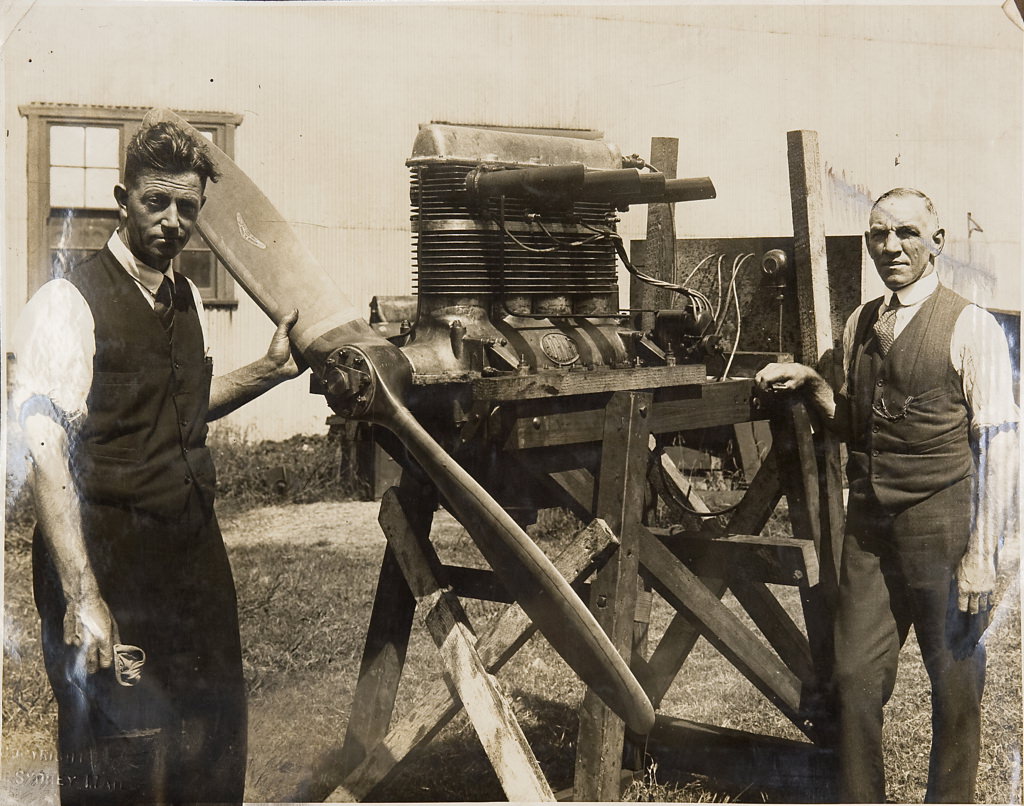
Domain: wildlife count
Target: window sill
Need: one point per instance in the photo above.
(220, 304)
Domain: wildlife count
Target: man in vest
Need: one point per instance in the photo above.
(113, 393)
(928, 414)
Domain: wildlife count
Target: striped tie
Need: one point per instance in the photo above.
(885, 325)
(164, 305)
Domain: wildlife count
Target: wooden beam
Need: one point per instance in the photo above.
(586, 382)
(680, 408)
(771, 559)
(807, 201)
(435, 708)
(722, 628)
(613, 593)
(751, 515)
(387, 638)
(747, 762)
(465, 672)
(776, 625)
(659, 248)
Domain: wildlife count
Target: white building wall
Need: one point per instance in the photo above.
(332, 95)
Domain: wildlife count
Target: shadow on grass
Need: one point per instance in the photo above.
(454, 767)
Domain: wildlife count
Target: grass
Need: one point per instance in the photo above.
(303, 609)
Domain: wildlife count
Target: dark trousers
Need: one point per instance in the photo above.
(897, 571)
(179, 735)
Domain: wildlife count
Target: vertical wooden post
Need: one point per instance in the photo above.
(809, 245)
(613, 594)
(659, 248)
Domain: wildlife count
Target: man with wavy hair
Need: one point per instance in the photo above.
(113, 391)
(928, 414)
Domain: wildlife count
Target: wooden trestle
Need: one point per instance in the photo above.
(591, 442)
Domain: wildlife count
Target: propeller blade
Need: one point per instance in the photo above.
(543, 593)
(264, 255)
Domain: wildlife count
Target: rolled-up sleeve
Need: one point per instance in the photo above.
(54, 342)
(979, 350)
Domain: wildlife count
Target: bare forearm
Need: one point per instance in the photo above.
(57, 508)
(228, 392)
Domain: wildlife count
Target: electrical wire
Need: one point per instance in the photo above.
(739, 318)
(718, 283)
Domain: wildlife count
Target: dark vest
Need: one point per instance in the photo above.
(909, 429)
(143, 443)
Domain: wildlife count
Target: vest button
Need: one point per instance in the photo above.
(188, 480)
(874, 429)
(874, 452)
(881, 382)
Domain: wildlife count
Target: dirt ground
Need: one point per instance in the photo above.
(351, 525)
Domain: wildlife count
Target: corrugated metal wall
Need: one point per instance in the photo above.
(332, 95)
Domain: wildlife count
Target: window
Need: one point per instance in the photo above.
(74, 158)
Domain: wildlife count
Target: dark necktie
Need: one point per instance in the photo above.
(164, 305)
(885, 325)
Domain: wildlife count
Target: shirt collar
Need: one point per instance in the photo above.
(915, 292)
(146, 276)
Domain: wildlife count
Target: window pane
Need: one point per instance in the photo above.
(101, 147)
(198, 267)
(99, 188)
(207, 133)
(67, 145)
(63, 261)
(67, 187)
(80, 229)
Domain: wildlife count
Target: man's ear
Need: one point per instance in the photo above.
(202, 201)
(938, 241)
(121, 196)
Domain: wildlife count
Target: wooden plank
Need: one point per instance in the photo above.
(798, 457)
(775, 623)
(436, 708)
(750, 458)
(808, 204)
(476, 583)
(579, 484)
(751, 515)
(722, 628)
(747, 762)
(659, 248)
(681, 485)
(775, 560)
(586, 382)
(614, 590)
(674, 409)
(465, 673)
(387, 638)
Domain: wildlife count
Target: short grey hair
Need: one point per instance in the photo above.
(903, 193)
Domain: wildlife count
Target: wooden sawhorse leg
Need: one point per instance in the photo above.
(465, 673)
(436, 707)
(613, 594)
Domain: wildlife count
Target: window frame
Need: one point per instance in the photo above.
(42, 117)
